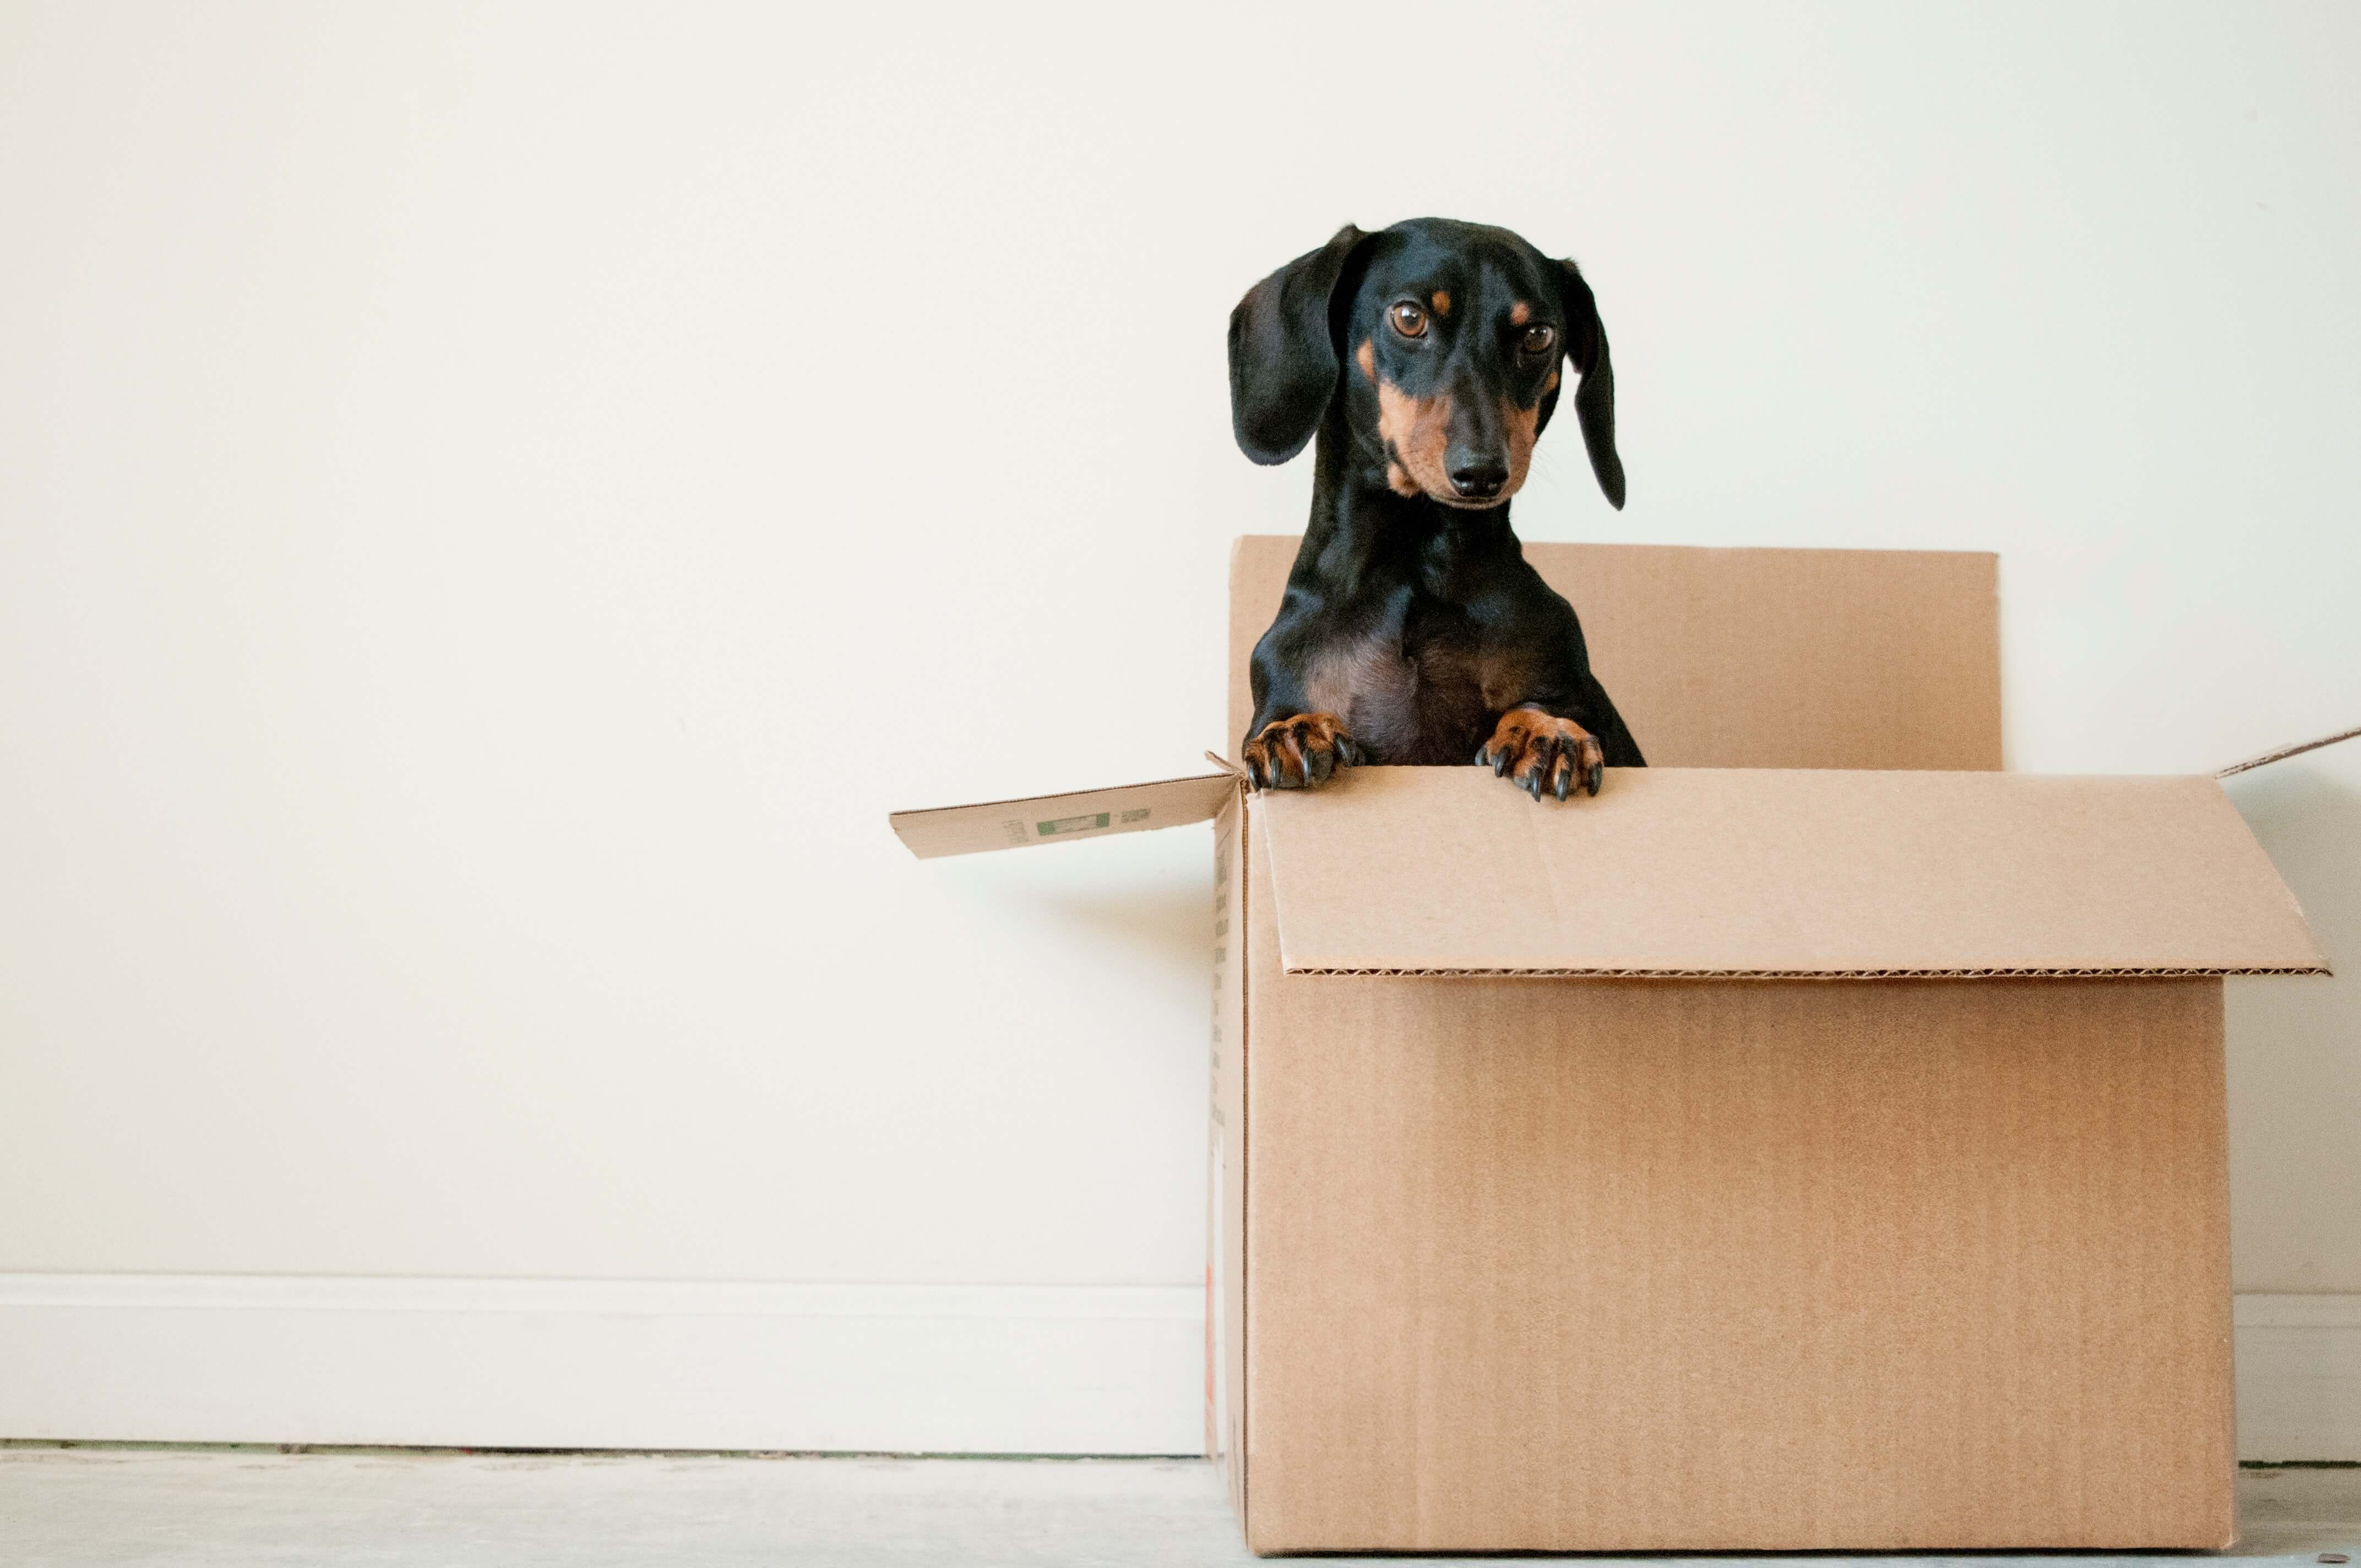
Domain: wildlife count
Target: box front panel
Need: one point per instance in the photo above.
(1619, 1266)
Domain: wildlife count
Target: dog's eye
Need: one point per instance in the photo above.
(1539, 338)
(1410, 320)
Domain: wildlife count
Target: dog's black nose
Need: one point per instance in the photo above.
(1479, 481)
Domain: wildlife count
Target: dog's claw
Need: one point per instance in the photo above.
(1301, 751)
(1543, 754)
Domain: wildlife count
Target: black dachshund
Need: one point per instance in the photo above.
(1425, 357)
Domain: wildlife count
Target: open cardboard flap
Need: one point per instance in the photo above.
(1061, 818)
(1747, 873)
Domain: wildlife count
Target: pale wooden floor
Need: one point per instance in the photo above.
(213, 1508)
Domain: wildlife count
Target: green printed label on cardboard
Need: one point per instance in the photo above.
(1072, 825)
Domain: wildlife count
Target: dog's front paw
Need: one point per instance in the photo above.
(1543, 754)
(1298, 752)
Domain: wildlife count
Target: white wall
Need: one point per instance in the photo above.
(495, 503)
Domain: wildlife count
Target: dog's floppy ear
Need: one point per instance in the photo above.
(1283, 362)
(1594, 402)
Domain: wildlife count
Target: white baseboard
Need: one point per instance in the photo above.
(898, 1368)
(2298, 1377)
(582, 1363)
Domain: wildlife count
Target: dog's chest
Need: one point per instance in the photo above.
(1413, 688)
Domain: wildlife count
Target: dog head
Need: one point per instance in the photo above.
(1442, 341)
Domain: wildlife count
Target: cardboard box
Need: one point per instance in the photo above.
(1760, 1156)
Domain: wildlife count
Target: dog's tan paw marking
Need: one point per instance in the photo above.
(1543, 754)
(1301, 751)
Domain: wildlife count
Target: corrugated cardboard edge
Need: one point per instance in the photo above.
(2284, 752)
(2158, 973)
(1241, 822)
(1222, 1404)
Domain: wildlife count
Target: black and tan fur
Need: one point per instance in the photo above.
(1426, 359)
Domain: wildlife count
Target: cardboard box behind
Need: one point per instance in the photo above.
(1542, 1219)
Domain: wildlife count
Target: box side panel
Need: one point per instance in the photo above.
(1793, 658)
(1226, 1165)
(1679, 1265)
(1750, 658)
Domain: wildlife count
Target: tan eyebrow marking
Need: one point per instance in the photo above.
(1520, 313)
(1366, 356)
(1442, 302)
